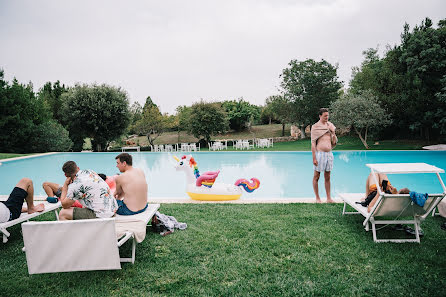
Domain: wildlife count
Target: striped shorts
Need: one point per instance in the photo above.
(324, 161)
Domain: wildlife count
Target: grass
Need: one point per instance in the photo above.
(252, 250)
(260, 131)
(275, 130)
(11, 155)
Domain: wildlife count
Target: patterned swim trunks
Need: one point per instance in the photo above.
(324, 161)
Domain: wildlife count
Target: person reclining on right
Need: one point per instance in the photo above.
(371, 191)
(372, 195)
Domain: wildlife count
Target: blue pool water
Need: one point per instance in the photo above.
(282, 174)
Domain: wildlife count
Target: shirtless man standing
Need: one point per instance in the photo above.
(323, 140)
(131, 187)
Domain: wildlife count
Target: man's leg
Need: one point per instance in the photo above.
(66, 214)
(327, 186)
(27, 185)
(50, 188)
(316, 176)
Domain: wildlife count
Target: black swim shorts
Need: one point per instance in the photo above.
(15, 202)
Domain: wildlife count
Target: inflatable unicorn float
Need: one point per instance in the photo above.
(203, 187)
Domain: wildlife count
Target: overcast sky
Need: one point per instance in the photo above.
(179, 52)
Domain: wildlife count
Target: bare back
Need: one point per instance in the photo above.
(132, 186)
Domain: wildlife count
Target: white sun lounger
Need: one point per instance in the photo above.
(26, 217)
(81, 245)
(395, 208)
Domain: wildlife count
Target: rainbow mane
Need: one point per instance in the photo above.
(248, 186)
(207, 179)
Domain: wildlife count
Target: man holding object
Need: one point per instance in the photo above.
(323, 140)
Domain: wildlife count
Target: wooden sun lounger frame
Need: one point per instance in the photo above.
(383, 208)
(25, 217)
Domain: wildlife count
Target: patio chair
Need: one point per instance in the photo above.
(26, 217)
(82, 245)
(395, 208)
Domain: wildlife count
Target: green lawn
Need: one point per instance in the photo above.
(344, 143)
(11, 155)
(252, 250)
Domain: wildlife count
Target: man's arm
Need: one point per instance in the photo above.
(119, 192)
(65, 201)
(313, 152)
(332, 129)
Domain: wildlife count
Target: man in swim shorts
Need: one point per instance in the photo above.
(90, 190)
(323, 140)
(131, 187)
(13, 207)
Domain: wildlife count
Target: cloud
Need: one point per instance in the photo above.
(178, 52)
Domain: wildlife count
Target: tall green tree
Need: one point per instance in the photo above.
(408, 78)
(100, 112)
(20, 113)
(359, 112)
(136, 112)
(183, 114)
(152, 122)
(51, 95)
(280, 108)
(309, 85)
(241, 114)
(207, 119)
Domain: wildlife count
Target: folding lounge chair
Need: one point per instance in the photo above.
(395, 208)
(26, 217)
(80, 245)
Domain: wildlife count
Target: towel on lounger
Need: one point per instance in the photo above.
(319, 129)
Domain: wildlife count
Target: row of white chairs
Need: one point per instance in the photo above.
(218, 145)
(179, 147)
(264, 142)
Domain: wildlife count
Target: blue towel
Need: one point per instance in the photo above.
(418, 198)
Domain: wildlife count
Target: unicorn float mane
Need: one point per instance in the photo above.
(207, 179)
(248, 186)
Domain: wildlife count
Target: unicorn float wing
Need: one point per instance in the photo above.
(203, 187)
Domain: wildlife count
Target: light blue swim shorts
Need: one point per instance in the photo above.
(324, 161)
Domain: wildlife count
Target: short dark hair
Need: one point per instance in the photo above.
(322, 110)
(125, 157)
(69, 168)
(404, 191)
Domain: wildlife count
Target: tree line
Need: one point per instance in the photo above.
(401, 94)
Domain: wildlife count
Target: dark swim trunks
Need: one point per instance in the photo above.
(58, 193)
(15, 202)
(124, 211)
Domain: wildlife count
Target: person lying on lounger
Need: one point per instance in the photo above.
(13, 207)
(371, 191)
(372, 195)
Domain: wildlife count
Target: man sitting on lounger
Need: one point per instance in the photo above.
(54, 190)
(90, 190)
(13, 207)
(131, 187)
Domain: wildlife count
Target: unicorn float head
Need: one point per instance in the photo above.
(203, 186)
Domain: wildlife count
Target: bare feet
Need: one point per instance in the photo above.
(318, 200)
(37, 208)
(330, 201)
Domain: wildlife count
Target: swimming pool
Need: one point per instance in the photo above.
(282, 174)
